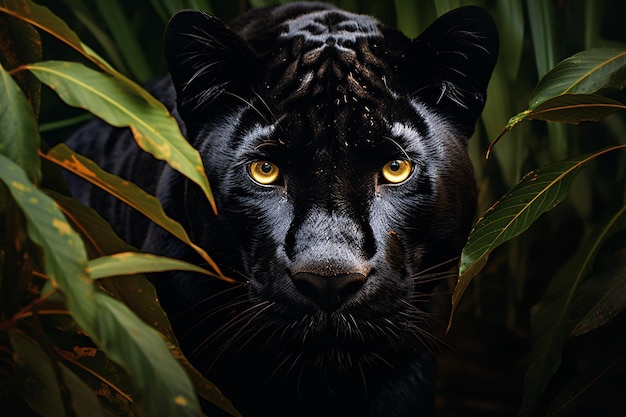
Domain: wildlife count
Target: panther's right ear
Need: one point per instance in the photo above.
(205, 59)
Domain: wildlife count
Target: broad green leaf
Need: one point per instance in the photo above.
(126, 191)
(42, 18)
(551, 316)
(570, 92)
(129, 263)
(111, 99)
(586, 72)
(578, 387)
(575, 108)
(40, 386)
(205, 388)
(20, 44)
(566, 108)
(108, 380)
(134, 291)
(602, 294)
(165, 388)
(161, 385)
(538, 192)
(20, 137)
(63, 251)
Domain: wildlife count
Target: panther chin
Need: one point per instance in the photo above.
(337, 153)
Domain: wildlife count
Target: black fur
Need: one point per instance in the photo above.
(336, 264)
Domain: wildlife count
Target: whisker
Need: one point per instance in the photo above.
(241, 316)
(246, 317)
(201, 319)
(212, 297)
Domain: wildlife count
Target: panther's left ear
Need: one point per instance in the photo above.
(206, 59)
(455, 57)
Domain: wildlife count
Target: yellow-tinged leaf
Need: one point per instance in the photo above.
(123, 337)
(128, 263)
(42, 18)
(119, 104)
(125, 191)
(137, 293)
(63, 227)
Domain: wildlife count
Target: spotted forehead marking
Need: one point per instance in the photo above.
(331, 28)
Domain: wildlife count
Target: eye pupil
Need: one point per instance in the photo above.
(266, 167)
(394, 166)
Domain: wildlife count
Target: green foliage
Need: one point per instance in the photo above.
(52, 252)
(537, 193)
(543, 267)
(121, 103)
(571, 92)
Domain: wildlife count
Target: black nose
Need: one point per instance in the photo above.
(328, 292)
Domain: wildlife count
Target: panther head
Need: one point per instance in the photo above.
(336, 149)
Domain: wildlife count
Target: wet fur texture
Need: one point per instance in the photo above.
(332, 316)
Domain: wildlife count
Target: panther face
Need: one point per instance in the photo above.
(337, 152)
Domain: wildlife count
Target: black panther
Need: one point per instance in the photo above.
(336, 149)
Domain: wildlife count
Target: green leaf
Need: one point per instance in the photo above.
(162, 386)
(20, 45)
(580, 386)
(42, 18)
(119, 104)
(551, 316)
(566, 108)
(40, 387)
(541, 21)
(510, 14)
(125, 191)
(602, 294)
(20, 137)
(160, 381)
(64, 253)
(129, 263)
(586, 72)
(122, 30)
(137, 293)
(538, 192)
(575, 108)
(570, 92)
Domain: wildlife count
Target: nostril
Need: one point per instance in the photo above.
(352, 286)
(308, 286)
(328, 292)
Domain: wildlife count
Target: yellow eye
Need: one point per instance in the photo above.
(397, 171)
(264, 172)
